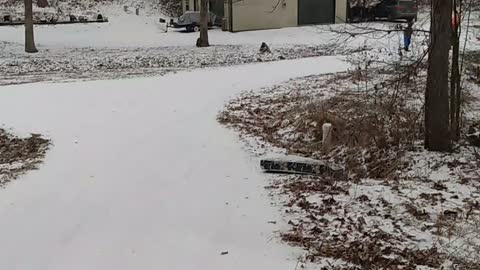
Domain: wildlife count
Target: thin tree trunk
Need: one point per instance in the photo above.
(458, 80)
(437, 121)
(458, 106)
(454, 74)
(29, 40)
(203, 40)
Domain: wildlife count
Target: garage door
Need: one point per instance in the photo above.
(316, 11)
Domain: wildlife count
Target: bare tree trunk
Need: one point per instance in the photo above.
(458, 106)
(29, 40)
(203, 40)
(458, 78)
(454, 74)
(437, 121)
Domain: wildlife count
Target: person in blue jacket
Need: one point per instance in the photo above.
(407, 36)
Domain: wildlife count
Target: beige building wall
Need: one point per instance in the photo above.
(263, 14)
(340, 11)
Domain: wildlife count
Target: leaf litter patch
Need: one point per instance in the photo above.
(399, 207)
(19, 155)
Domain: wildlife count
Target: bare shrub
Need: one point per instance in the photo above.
(172, 8)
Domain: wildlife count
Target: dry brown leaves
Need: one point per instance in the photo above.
(374, 138)
(18, 155)
(370, 133)
(327, 229)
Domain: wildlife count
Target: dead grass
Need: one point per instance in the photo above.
(18, 155)
(369, 134)
(392, 212)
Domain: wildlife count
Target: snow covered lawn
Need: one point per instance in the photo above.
(141, 176)
(132, 46)
(132, 31)
(68, 64)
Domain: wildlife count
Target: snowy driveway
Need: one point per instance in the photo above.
(141, 176)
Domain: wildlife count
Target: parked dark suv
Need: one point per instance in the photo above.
(191, 21)
(396, 9)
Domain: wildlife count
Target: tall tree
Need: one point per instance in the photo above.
(29, 40)
(437, 121)
(204, 18)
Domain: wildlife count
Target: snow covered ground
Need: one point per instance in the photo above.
(396, 203)
(140, 175)
(127, 30)
(132, 45)
(111, 63)
(143, 177)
